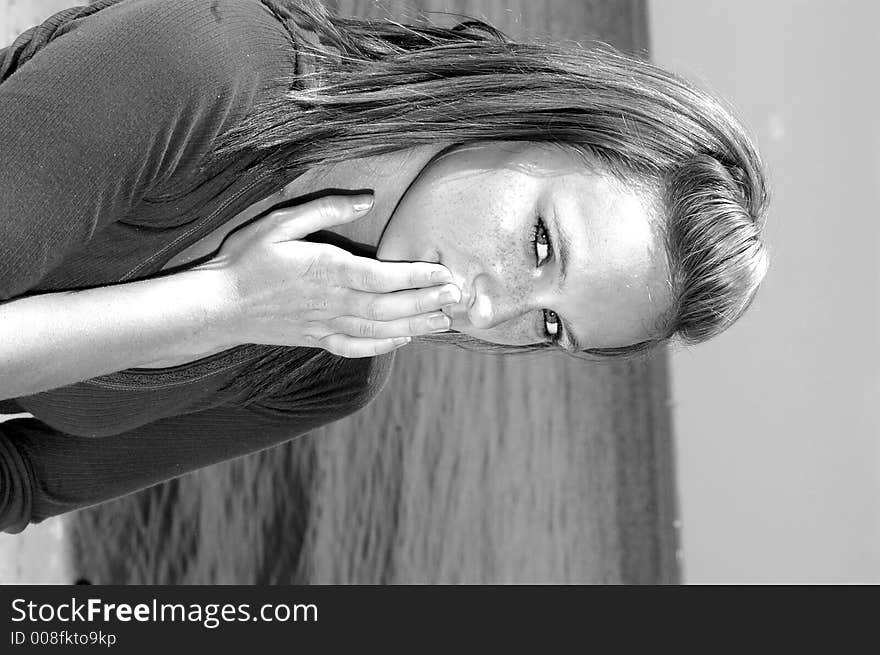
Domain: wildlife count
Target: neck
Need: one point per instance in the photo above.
(388, 176)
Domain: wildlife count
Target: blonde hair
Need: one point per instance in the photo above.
(382, 86)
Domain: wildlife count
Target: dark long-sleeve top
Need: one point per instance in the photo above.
(106, 113)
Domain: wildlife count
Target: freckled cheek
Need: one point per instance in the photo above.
(513, 313)
(513, 281)
(494, 204)
(504, 251)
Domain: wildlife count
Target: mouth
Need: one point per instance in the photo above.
(451, 311)
(455, 314)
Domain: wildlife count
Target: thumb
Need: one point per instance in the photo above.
(298, 222)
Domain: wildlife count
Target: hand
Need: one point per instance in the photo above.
(283, 291)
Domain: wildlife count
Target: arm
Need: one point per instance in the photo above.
(44, 472)
(54, 339)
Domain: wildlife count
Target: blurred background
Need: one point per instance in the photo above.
(753, 458)
(776, 429)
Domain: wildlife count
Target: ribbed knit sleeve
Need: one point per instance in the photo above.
(118, 103)
(45, 472)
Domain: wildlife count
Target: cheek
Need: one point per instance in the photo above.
(490, 216)
(516, 332)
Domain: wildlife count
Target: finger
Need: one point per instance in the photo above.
(411, 326)
(365, 274)
(346, 346)
(399, 304)
(300, 221)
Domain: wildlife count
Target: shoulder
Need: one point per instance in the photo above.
(108, 104)
(193, 68)
(196, 40)
(180, 18)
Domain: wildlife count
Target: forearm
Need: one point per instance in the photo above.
(51, 340)
(45, 472)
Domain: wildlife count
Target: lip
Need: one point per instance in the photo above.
(454, 313)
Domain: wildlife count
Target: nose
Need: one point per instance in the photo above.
(482, 305)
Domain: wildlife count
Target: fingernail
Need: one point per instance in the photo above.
(402, 341)
(450, 294)
(362, 203)
(438, 322)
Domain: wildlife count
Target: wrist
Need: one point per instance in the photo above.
(217, 306)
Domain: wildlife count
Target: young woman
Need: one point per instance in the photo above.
(219, 220)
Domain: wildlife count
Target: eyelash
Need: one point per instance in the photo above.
(536, 231)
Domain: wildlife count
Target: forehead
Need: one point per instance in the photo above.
(617, 287)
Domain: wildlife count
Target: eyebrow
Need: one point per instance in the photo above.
(569, 342)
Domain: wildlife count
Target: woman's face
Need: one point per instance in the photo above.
(541, 247)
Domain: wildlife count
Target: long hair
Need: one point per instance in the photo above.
(378, 86)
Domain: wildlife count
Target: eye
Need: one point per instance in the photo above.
(543, 250)
(542, 241)
(551, 325)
